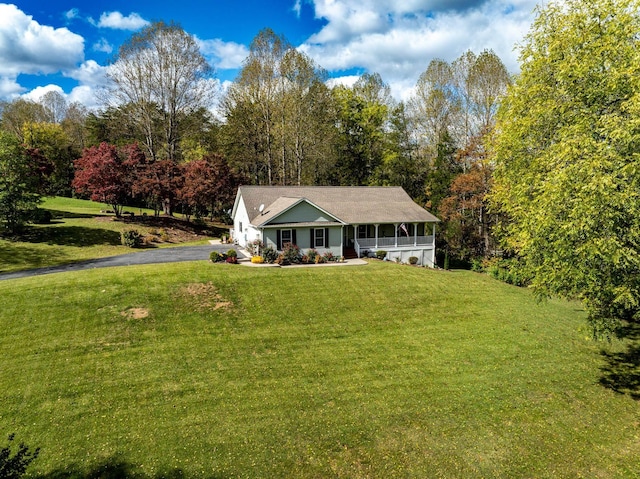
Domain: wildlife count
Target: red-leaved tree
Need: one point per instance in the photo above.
(208, 186)
(158, 183)
(106, 175)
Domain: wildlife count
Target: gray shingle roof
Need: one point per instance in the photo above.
(350, 204)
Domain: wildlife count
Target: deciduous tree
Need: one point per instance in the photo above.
(208, 185)
(362, 113)
(162, 77)
(106, 175)
(19, 196)
(568, 168)
(51, 142)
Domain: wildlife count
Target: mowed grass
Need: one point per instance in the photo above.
(201, 370)
(80, 231)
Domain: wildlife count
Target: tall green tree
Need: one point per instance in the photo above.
(401, 165)
(435, 105)
(18, 112)
(19, 196)
(253, 105)
(161, 76)
(567, 156)
(54, 144)
(278, 127)
(362, 116)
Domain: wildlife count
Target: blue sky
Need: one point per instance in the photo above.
(65, 45)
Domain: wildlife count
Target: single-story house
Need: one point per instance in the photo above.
(349, 221)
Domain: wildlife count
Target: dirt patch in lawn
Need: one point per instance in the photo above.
(135, 313)
(204, 296)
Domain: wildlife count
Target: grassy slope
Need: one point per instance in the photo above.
(376, 371)
(80, 232)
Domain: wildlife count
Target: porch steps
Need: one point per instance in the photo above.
(350, 253)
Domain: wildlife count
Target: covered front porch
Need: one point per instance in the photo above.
(398, 239)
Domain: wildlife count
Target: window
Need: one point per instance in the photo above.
(319, 238)
(285, 236)
(366, 231)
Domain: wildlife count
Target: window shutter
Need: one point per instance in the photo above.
(326, 237)
(293, 237)
(312, 240)
(278, 240)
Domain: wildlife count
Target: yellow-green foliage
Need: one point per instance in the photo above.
(567, 178)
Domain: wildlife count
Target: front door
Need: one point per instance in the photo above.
(348, 236)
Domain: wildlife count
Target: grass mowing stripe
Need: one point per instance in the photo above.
(376, 371)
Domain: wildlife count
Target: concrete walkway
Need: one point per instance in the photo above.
(153, 256)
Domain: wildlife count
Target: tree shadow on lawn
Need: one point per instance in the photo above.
(114, 468)
(621, 373)
(71, 236)
(25, 255)
(57, 214)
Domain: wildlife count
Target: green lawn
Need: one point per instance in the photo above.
(374, 371)
(80, 231)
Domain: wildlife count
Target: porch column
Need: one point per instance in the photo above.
(415, 234)
(395, 233)
(355, 240)
(376, 225)
(433, 243)
(342, 240)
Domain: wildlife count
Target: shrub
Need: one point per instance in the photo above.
(257, 259)
(477, 265)
(232, 253)
(216, 257)
(413, 260)
(131, 238)
(232, 260)
(256, 247)
(312, 254)
(291, 253)
(318, 259)
(510, 271)
(14, 466)
(380, 254)
(328, 257)
(41, 217)
(269, 255)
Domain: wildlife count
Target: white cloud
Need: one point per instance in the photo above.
(85, 95)
(103, 45)
(347, 80)
(89, 73)
(399, 39)
(118, 21)
(38, 92)
(9, 88)
(223, 55)
(72, 14)
(28, 47)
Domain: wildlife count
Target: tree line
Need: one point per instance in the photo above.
(279, 123)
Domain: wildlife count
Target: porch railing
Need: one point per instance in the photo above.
(403, 242)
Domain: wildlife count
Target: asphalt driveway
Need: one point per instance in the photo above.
(154, 256)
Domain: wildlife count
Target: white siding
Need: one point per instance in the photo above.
(241, 226)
